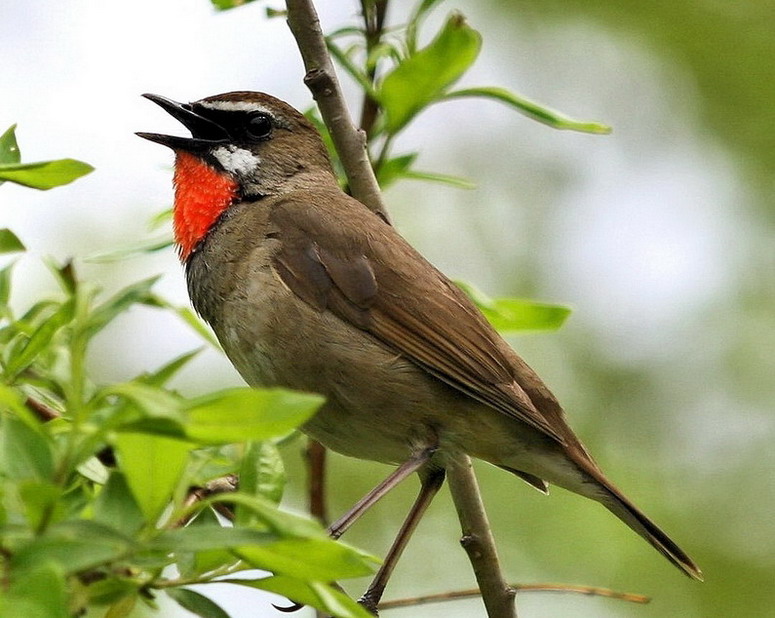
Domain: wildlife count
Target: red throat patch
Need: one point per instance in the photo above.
(202, 193)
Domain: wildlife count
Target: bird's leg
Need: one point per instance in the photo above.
(431, 482)
(340, 526)
(419, 459)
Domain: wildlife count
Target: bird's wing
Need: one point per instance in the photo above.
(345, 260)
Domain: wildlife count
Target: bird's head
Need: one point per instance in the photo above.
(243, 146)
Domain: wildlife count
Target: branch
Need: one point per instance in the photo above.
(474, 592)
(478, 541)
(350, 143)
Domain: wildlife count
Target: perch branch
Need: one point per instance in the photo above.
(478, 541)
(321, 79)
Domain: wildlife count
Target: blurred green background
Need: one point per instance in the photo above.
(660, 236)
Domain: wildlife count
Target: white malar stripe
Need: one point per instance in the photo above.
(239, 161)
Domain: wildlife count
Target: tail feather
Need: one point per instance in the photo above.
(631, 515)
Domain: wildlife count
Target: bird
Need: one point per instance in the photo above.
(307, 289)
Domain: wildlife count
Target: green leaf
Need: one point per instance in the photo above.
(42, 502)
(165, 373)
(199, 327)
(201, 538)
(5, 287)
(139, 292)
(242, 414)
(314, 594)
(153, 466)
(423, 77)
(225, 5)
(196, 603)
(12, 400)
(111, 590)
(445, 179)
(262, 472)
(40, 339)
(45, 174)
(116, 506)
(9, 242)
(395, 168)
(24, 453)
(9, 149)
(281, 522)
(153, 401)
(530, 109)
(75, 546)
(316, 559)
(514, 315)
(144, 247)
(40, 593)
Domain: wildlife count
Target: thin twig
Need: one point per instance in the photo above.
(221, 485)
(321, 79)
(316, 480)
(478, 541)
(44, 412)
(374, 20)
(474, 592)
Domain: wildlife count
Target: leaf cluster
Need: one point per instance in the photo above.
(110, 493)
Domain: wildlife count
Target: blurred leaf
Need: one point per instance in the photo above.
(154, 402)
(74, 545)
(41, 501)
(262, 472)
(314, 594)
(5, 286)
(116, 506)
(393, 169)
(512, 315)
(422, 78)
(9, 149)
(242, 414)
(123, 608)
(446, 179)
(282, 522)
(39, 593)
(201, 329)
(101, 316)
(64, 274)
(161, 376)
(24, 453)
(9, 242)
(200, 538)
(530, 109)
(133, 250)
(317, 559)
(40, 339)
(224, 5)
(45, 174)
(196, 603)
(94, 470)
(153, 466)
(161, 218)
(111, 590)
(12, 400)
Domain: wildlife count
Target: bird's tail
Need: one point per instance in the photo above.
(619, 505)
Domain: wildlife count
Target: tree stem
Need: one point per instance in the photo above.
(478, 541)
(321, 79)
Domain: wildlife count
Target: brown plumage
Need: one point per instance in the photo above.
(306, 288)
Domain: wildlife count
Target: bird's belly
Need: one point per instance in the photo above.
(379, 405)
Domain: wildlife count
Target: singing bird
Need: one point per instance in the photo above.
(308, 289)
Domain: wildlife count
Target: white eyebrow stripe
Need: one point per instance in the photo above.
(236, 106)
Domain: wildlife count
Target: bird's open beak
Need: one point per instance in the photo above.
(204, 132)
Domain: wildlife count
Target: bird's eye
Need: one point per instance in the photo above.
(259, 126)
